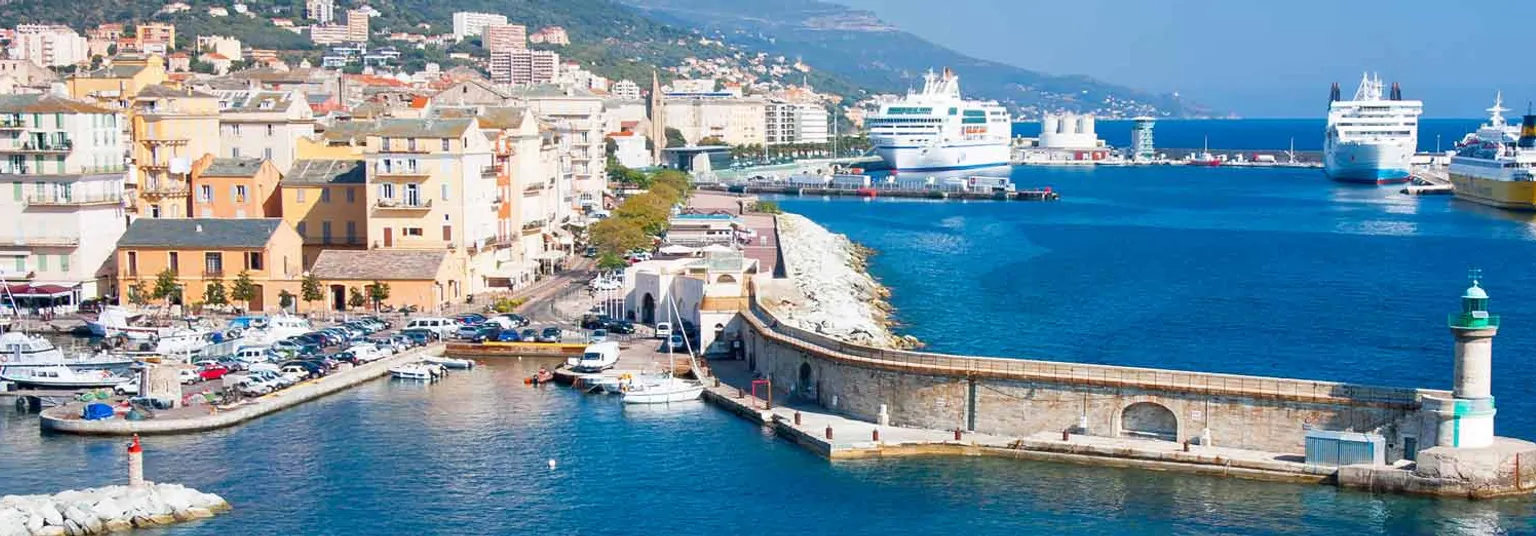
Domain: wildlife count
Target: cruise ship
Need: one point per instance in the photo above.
(1493, 166)
(1370, 139)
(937, 129)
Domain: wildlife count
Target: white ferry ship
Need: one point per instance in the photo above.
(1370, 139)
(937, 129)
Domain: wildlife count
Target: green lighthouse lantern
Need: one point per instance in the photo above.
(1474, 309)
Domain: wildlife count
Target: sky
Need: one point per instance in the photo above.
(1258, 59)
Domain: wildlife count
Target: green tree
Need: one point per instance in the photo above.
(285, 299)
(676, 179)
(712, 140)
(310, 289)
(244, 290)
(675, 138)
(355, 298)
(616, 236)
(215, 293)
(767, 207)
(166, 287)
(378, 292)
(611, 261)
(647, 210)
(137, 294)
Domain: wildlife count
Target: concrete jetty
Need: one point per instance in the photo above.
(66, 418)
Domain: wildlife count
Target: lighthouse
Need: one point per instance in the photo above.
(1467, 422)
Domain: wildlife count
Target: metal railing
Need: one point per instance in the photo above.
(1472, 321)
(400, 204)
(165, 189)
(766, 324)
(75, 200)
(40, 240)
(12, 122)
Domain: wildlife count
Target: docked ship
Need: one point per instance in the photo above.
(937, 129)
(1493, 165)
(1371, 139)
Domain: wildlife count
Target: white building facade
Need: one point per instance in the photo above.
(795, 122)
(49, 46)
(264, 124)
(469, 23)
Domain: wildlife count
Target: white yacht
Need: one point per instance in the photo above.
(20, 351)
(663, 391)
(427, 372)
(1371, 139)
(938, 129)
(265, 330)
(62, 377)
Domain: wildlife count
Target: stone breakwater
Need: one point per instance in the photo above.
(102, 510)
(832, 294)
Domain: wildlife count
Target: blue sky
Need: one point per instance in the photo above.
(1260, 59)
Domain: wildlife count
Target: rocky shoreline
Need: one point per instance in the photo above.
(832, 293)
(106, 509)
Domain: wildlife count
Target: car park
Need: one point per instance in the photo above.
(550, 334)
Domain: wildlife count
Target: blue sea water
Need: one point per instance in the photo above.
(1255, 271)
(1256, 134)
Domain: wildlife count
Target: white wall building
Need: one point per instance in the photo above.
(49, 46)
(64, 204)
(794, 122)
(263, 124)
(524, 67)
(737, 121)
(631, 151)
(625, 90)
(704, 293)
(469, 23)
(228, 47)
(321, 11)
(577, 116)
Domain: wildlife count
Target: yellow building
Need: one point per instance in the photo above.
(116, 84)
(199, 251)
(171, 129)
(341, 141)
(326, 202)
(420, 278)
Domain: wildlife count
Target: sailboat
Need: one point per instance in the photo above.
(1205, 158)
(668, 388)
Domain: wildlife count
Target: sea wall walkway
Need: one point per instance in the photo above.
(66, 418)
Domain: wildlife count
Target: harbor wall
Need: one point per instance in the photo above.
(1020, 397)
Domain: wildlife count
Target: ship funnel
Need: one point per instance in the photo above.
(1528, 132)
(1333, 94)
(1397, 92)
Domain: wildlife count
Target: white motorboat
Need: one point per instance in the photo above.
(450, 362)
(595, 358)
(62, 377)
(22, 351)
(664, 391)
(265, 330)
(427, 372)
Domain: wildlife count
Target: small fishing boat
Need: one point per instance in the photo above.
(451, 362)
(62, 377)
(427, 372)
(542, 377)
(664, 391)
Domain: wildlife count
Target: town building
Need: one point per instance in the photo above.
(733, 120)
(795, 122)
(264, 124)
(320, 11)
(505, 37)
(178, 62)
(553, 35)
(576, 116)
(524, 67)
(25, 76)
(469, 24)
(199, 251)
(235, 188)
(471, 92)
(171, 129)
(630, 150)
(428, 190)
(625, 90)
(48, 46)
(707, 293)
(326, 202)
(357, 26)
(228, 47)
(116, 85)
(328, 34)
(64, 204)
(156, 37)
(423, 279)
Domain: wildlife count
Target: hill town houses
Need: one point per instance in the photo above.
(443, 183)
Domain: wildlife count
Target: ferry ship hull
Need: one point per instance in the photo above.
(1509, 195)
(1368, 163)
(939, 158)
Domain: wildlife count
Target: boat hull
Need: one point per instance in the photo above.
(1368, 163)
(664, 394)
(1508, 195)
(943, 157)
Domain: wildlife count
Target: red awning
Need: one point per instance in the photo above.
(38, 291)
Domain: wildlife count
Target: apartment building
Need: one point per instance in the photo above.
(524, 67)
(625, 90)
(734, 120)
(171, 129)
(64, 202)
(263, 124)
(320, 11)
(795, 122)
(199, 251)
(428, 189)
(576, 115)
(235, 188)
(49, 46)
(115, 85)
(504, 37)
(327, 203)
(468, 23)
(357, 26)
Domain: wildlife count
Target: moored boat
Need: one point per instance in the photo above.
(1493, 166)
(663, 391)
(450, 362)
(62, 377)
(1370, 139)
(421, 371)
(21, 351)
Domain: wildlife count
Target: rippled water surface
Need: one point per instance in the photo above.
(1268, 272)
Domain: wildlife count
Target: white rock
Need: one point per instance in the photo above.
(34, 523)
(51, 514)
(108, 508)
(50, 530)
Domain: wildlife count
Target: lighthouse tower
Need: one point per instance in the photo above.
(1467, 422)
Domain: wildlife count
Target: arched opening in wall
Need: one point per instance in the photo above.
(338, 297)
(648, 309)
(1148, 420)
(805, 384)
(726, 278)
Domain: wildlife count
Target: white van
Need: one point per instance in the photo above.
(595, 358)
(663, 330)
(442, 326)
(253, 354)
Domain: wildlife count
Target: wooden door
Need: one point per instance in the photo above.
(389, 237)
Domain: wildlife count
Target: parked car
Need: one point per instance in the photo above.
(517, 320)
(468, 332)
(441, 326)
(311, 369)
(529, 335)
(419, 337)
(597, 336)
(663, 330)
(620, 326)
(130, 387)
(212, 372)
(508, 335)
(346, 357)
(550, 334)
(186, 376)
(365, 352)
(591, 321)
(675, 343)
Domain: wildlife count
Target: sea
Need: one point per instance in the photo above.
(1435, 134)
(1254, 271)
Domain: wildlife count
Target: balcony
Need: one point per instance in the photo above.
(216, 273)
(334, 241)
(413, 175)
(50, 147)
(41, 241)
(403, 204)
(490, 172)
(164, 141)
(12, 123)
(15, 170)
(58, 200)
(164, 189)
